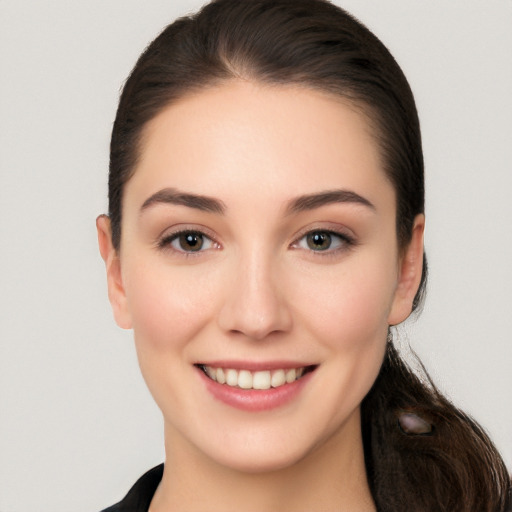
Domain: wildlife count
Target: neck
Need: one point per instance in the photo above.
(330, 478)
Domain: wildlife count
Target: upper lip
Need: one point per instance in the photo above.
(255, 366)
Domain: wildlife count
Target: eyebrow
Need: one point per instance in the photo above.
(312, 201)
(173, 196)
(297, 205)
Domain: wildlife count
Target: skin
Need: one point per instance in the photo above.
(259, 293)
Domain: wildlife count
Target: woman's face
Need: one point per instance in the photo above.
(259, 247)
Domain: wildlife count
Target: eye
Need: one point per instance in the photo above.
(321, 241)
(188, 241)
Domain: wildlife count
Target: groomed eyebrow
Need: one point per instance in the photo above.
(209, 204)
(173, 196)
(312, 201)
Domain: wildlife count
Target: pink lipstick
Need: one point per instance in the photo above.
(255, 386)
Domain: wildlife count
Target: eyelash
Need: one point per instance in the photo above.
(167, 242)
(344, 242)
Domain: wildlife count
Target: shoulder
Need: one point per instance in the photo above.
(140, 495)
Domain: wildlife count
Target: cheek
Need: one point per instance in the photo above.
(168, 305)
(347, 307)
(349, 320)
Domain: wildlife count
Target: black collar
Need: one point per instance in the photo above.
(140, 495)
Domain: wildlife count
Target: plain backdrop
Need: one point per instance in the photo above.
(77, 425)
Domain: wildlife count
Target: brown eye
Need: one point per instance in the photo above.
(190, 242)
(187, 242)
(319, 240)
(324, 241)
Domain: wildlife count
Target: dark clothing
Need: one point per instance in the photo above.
(140, 495)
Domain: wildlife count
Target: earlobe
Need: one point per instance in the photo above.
(409, 277)
(116, 291)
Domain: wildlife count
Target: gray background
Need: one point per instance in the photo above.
(77, 425)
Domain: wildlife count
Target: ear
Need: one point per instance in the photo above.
(409, 274)
(110, 255)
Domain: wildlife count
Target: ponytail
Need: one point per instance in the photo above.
(451, 466)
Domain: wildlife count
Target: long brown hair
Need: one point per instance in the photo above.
(452, 465)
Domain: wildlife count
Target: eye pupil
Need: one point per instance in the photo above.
(191, 241)
(319, 241)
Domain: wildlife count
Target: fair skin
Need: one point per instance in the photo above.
(267, 281)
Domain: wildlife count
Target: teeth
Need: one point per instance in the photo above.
(261, 380)
(246, 379)
(231, 377)
(291, 375)
(211, 372)
(220, 376)
(278, 378)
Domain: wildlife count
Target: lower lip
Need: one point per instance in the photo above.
(255, 400)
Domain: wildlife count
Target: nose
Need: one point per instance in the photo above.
(255, 302)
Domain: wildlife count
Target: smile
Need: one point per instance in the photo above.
(246, 379)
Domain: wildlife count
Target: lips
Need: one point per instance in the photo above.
(261, 379)
(255, 387)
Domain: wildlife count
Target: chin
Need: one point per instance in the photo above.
(258, 460)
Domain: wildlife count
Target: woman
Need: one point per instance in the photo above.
(265, 233)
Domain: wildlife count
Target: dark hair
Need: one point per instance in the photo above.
(453, 465)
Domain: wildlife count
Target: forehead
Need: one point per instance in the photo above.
(243, 138)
